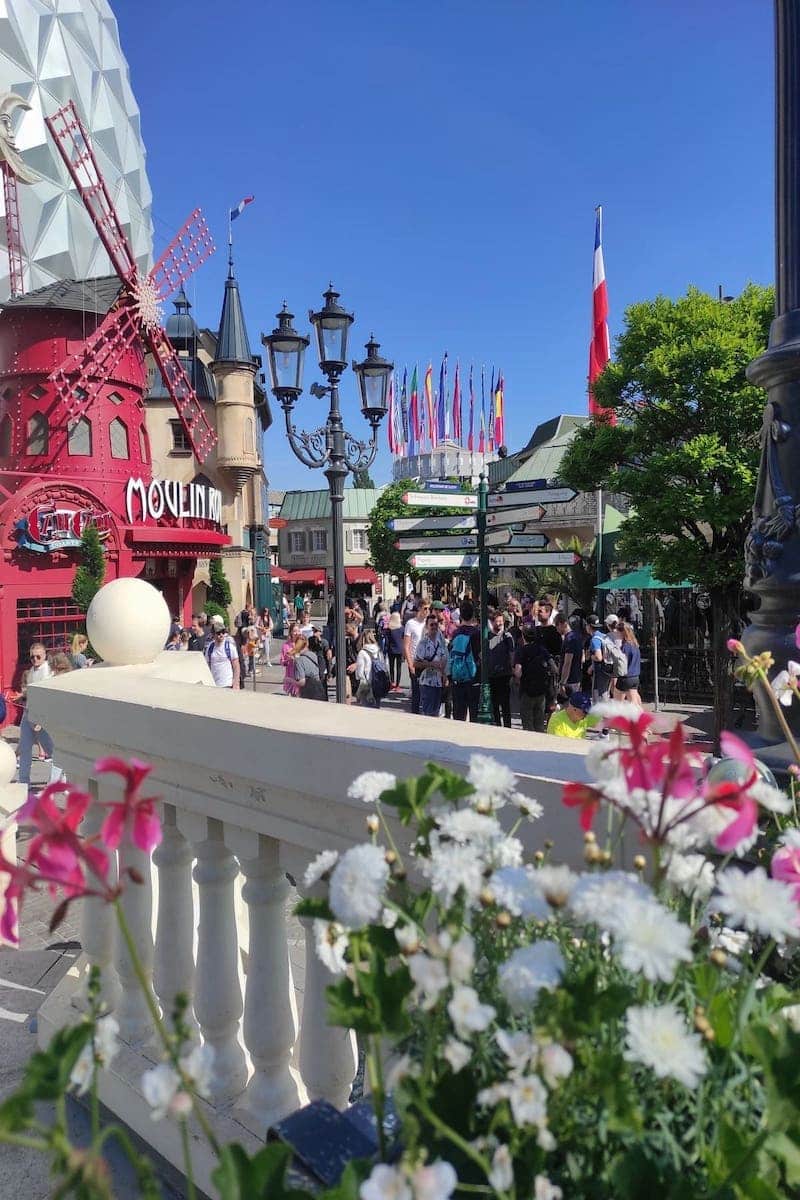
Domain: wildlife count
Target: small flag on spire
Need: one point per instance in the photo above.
(599, 347)
(240, 207)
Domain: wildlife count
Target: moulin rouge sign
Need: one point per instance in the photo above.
(57, 526)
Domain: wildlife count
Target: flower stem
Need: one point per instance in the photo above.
(776, 705)
(19, 1139)
(454, 1137)
(187, 1162)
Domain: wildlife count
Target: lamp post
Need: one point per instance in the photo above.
(773, 544)
(330, 446)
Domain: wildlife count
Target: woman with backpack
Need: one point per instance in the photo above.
(394, 648)
(627, 686)
(465, 664)
(536, 671)
(306, 671)
(367, 657)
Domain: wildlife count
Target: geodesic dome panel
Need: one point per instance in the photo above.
(52, 51)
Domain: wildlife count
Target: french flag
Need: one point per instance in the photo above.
(600, 346)
(240, 207)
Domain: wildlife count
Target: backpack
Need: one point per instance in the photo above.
(379, 679)
(614, 658)
(226, 644)
(539, 673)
(462, 661)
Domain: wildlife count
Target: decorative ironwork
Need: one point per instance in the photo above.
(775, 514)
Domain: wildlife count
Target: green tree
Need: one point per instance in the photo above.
(383, 555)
(91, 571)
(219, 594)
(685, 448)
(578, 582)
(362, 479)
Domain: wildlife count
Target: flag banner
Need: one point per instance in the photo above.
(470, 438)
(490, 428)
(482, 434)
(413, 417)
(600, 346)
(240, 207)
(399, 438)
(457, 405)
(390, 430)
(499, 418)
(429, 408)
(441, 406)
(404, 411)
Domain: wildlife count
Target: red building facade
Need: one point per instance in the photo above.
(62, 468)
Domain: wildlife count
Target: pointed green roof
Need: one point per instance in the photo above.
(233, 345)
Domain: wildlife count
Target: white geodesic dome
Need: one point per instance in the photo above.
(52, 51)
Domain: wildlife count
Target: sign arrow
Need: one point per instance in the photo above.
(547, 558)
(446, 524)
(505, 537)
(515, 516)
(433, 500)
(462, 541)
(558, 495)
(446, 562)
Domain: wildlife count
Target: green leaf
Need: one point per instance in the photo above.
(722, 1016)
(260, 1177)
(349, 1185)
(311, 907)
(347, 1009)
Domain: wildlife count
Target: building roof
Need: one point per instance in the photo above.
(83, 295)
(316, 505)
(199, 377)
(233, 344)
(181, 327)
(542, 456)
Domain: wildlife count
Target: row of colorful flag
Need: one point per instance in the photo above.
(418, 423)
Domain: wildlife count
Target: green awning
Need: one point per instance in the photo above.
(640, 580)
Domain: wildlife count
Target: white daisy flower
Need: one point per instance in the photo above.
(407, 938)
(370, 786)
(555, 1063)
(330, 940)
(519, 1048)
(599, 899)
(389, 918)
(529, 969)
(465, 825)
(198, 1065)
(529, 808)
(100, 1050)
(543, 1189)
(791, 838)
(517, 889)
(493, 781)
(461, 958)
(467, 1013)
(760, 904)
(608, 710)
(651, 939)
(385, 1183)
(457, 1054)
(451, 867)
(770, 798)
(437, 1181)
(659, 1038)
(430, 978)
(357, 885)
(691, 874)
(501, 1176)
(556, 883)
(325, 861)
(161, 1088)
(528, 1100)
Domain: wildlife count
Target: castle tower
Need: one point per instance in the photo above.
(234, 369)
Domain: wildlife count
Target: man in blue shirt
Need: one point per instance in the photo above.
(601, 674)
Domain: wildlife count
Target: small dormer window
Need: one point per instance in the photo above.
(118, 437)
(6, 436)
(180, 440)
(38, 432)
(115, 398)
(38, 391)
(79, 437)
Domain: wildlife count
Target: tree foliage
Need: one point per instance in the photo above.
(91, 571)
(685, 447)
(579, 582)
(219, 595)
(383, 556)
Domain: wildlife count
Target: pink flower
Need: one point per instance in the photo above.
(786, 867)
(797, 636)
(584, 796)
(735, 646)
(136, 815)
(20, 878)
(57, 850)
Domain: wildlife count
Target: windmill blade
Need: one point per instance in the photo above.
(202, 436)
(80, 376)
(75, 149)
(190, 247)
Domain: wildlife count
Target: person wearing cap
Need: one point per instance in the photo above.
(222, 656)
(601, 675)
(574, 719)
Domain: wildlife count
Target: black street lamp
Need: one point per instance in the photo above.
(773, 544)
(330, 446)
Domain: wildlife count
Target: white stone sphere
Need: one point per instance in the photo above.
(128, 622)
(8, 762)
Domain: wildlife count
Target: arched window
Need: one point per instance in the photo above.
(6, 436)
(144, 449)
(38, 437)
(118, 435)
(79, 438)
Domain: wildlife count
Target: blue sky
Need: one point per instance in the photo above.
(440, 161)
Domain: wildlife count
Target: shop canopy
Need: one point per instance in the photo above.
(278, 573)
(641, 580)
(360, 575)
(314, 576)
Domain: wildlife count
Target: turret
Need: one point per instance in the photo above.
(234, 370)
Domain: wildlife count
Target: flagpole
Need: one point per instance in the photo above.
(230, 245)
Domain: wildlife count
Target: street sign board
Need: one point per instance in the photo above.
(459, 541)
(446, 524)
(546, 558)
(441, 485)
(443, 562)
(515, 516)
(556, 495)
(525, 485)
(505, 537)
(449, 500)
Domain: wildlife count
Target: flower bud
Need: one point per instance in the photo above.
(503, 919)
(398, 872)
(640, 862)
(606, 857)
(486, 897)
(592, 854)
(549, 843)
(373, 824)
(589, 837)
(718, 957)
(709, 1034)
(734, 646)
(794, 770)
(539, 856)
(484, 808)
(390, 857)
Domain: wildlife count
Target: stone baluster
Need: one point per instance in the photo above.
(218, 995)
(98, 922)
(328, 1054)
(133, 1013)
(269, 1023)
(174, 951)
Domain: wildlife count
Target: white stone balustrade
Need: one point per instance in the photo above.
(252, 788)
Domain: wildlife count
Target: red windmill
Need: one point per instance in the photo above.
(136, 314)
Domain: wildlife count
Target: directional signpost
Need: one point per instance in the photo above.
(505, 537)
(515, 498)
(513, 516)
(449, 562)
(547, 558)
(406, 524)
(460, 541)
(441, 500)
